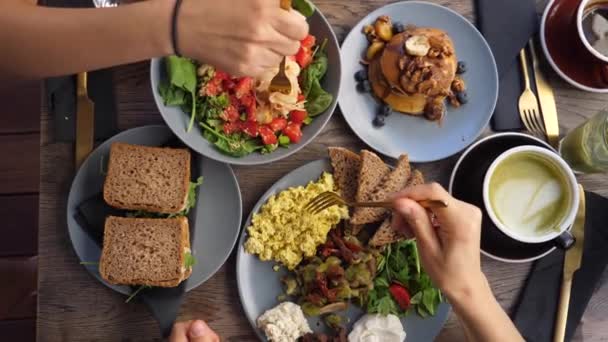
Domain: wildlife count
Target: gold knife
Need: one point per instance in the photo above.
(546, 100)
(572, 262)
(85, 109)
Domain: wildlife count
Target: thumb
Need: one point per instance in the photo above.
(200, 332)
(419, 222)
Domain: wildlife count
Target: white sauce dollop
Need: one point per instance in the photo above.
(377, 328)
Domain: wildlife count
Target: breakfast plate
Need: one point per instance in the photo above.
(178, 121)
(425, 141)
(214, 221)
(466, 184)
(259, 284)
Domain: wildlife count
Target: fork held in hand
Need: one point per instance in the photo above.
(528, 104)
(329, 199)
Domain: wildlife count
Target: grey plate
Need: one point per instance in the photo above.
(259, 285)
(214, 223)
(423, 140)
(177, 120)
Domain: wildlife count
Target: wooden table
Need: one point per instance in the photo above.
(74, 306)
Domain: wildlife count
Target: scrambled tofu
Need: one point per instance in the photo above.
(282, 231)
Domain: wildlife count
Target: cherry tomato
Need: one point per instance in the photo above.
(401, 295)
(250, 128)
(304, 57)
(298, 116)
(243, 87)
(230, 114)
(309, 41)
(220, 75)
(268, 136)
(301, 97)
(293, 132)
(278, 124)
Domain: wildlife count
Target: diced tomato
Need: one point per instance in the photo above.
(309, 41)
(251, 113)
(213, 87)
(301, 97)
(228, 84)
(220, 75)
(293, 132)
(278, 124)
(304, 57)
(400, 295)
(267, 134)
(250, 128)
(243, 87)
(230, 114)
(247, 100)
(232, 127)
(298, 116)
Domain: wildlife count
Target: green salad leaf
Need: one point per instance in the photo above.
(400, 264)
(189, 260)
(180, 88)
(317, 99)
(136, 292)
(236, 145)
(304, 6)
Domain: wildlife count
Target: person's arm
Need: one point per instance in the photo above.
(40, 42)
(237, 36)
(450, 254)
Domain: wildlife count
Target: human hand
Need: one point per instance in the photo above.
(449, 251)
(192, 331)
(241, 37)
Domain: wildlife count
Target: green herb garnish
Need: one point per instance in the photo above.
(89, 263)
(137, 292)
(189, 260)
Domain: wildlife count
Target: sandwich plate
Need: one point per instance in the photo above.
(259, 285)
(214, 222)
(425, 141)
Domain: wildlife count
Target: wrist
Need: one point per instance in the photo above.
(160, 13)
(475, 291)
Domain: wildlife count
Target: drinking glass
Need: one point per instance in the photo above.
(585, 148)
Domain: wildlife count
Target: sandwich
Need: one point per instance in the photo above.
(150, 179)
(144, 251)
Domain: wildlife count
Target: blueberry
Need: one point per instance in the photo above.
(398, 27)
(361, 75)
(378, 121)
(385, 111)
(462, 97)
(462, 68)
(364, 87)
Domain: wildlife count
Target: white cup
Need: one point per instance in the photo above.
(581, 33)
(561, 236)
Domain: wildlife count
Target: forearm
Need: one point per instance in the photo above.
(482, 317)
(40, 42)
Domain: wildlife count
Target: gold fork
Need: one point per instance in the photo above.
(329, 199)
(528, 104)
(280, 82)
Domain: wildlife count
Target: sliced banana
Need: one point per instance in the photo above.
(417, 45)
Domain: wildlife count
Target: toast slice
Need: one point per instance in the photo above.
(392, 182)
(142, 251)
(146, 178)
(346, 165)
(386, 234)
(371, 173)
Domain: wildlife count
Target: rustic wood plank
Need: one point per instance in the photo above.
(74, 306)
(19, 294)
(20, 163)
(21, 107)
(18, 330)
(19, 225)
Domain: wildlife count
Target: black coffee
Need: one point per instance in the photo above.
(595, 25)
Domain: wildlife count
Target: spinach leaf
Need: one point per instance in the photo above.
(236, 145)
(304, 6)
(181, 84)
(317, 99)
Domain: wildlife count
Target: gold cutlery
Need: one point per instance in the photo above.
(547, 101)
(85, 109)
(572, 262)
(329, 199)
(528, 104)
(280, 82)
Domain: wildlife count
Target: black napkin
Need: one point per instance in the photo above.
(535, 313)
(507, 27)
(61, 94)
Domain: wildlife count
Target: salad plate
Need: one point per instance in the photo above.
(214, 222)
(231, 136)
(424, 140)
(260, 285)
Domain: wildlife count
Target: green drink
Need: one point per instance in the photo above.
(585, 149)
